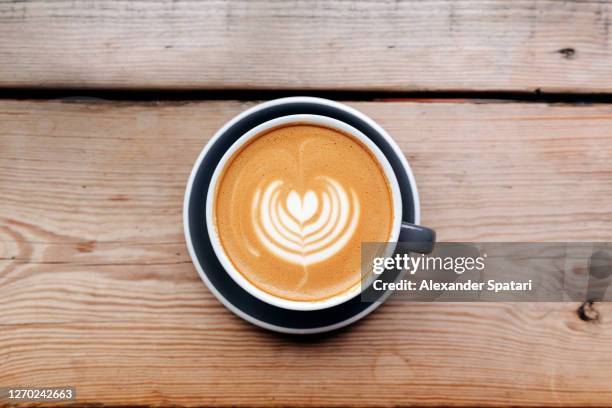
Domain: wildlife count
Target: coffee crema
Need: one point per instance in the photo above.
(293, 206)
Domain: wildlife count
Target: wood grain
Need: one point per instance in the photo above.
(97, 291)
(453, 45)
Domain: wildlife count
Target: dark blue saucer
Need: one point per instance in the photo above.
(200, 248)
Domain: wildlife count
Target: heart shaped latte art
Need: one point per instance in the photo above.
(305, 228)
(302, 209)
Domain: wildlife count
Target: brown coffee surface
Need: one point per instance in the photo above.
(293, 207)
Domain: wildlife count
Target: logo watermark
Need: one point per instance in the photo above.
(489, 272)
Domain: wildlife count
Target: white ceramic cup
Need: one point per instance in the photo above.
(323, 121)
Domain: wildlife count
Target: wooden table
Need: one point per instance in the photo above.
(97, 290)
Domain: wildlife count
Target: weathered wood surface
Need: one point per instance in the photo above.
(518, 45)
(97, 291)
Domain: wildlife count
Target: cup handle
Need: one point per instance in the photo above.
(419, 239)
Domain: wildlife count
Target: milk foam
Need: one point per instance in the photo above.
(308, 227)
(293, 207)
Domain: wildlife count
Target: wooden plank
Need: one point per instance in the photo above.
(97, 291)
(452, 45)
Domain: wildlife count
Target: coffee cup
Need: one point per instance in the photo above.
(282, 215)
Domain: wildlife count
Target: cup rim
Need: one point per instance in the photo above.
(255, 132)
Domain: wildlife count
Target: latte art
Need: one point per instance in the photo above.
(305, 229)
(293, 206)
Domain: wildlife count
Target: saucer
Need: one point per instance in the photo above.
(218, 281)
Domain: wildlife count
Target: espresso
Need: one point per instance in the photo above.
(293, 206)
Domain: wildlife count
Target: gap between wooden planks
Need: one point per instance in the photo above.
(465, 45)
(97, 291)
